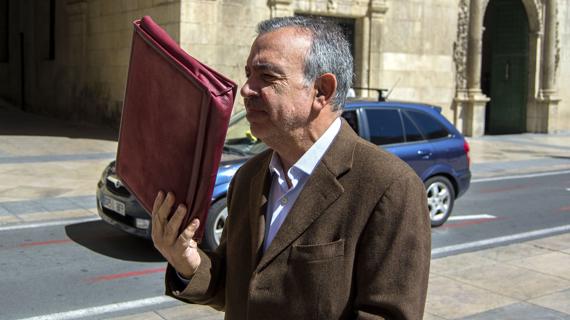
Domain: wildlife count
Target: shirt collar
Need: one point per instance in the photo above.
(309, 160)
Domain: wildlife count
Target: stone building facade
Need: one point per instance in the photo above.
(494, 66)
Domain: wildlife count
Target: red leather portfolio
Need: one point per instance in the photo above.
(175, 118)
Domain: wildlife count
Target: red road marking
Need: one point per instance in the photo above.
(43, 243)
(564, 209)
(125, 275)
(466, 223)
(504, 189)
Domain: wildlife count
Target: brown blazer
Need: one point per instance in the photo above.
(356, 243)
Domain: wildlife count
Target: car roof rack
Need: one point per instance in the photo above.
(382, 92)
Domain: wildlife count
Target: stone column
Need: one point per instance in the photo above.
(533, 108)
(281, 8)
(548, 85)
(476, 101)
(362, 59)
(547, 99)
(377, 13)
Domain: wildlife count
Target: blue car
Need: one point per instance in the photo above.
(417, 133)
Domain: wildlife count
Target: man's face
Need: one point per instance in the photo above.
(277, 100)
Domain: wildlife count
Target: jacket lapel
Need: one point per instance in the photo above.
(320, 192)
(259, 188)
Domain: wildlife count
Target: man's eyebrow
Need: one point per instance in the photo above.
(266, 67)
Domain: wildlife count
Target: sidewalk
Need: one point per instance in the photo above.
(48, 168)
(519, 154)
(529, 280)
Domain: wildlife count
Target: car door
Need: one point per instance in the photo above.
(386, 127)
(445, 150)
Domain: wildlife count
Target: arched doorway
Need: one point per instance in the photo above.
(504, 74)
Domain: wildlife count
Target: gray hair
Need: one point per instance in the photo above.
(329, 51)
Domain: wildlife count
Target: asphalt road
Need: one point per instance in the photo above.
(504, 207)
(51, 269)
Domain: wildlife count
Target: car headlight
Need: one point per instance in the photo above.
(106, 172)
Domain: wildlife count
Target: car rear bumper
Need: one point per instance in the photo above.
(463, 183)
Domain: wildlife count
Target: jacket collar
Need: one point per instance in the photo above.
(320, 192)
(259, 189)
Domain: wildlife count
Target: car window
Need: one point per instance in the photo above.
(239, 139)
(430, 127)
(238, 128)
(412, 131)
(385, 126)
(351, 119)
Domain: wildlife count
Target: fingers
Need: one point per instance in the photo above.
(185, 238)
(171, 230)
(156, 223)
(158, 201)
(164, 232)
(165, 208)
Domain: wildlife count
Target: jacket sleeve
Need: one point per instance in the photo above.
(207, 285)
(393, 254)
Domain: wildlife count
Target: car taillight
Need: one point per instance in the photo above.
(466, 148)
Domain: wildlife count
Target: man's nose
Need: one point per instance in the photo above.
(246, 90)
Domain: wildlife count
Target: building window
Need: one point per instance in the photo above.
(4, 30)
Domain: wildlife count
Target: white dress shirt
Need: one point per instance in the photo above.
(281, 197)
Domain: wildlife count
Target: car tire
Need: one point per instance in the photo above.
(441, 197)
(215, 225)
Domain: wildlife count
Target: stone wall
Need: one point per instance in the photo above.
(103, 65)
(417, 51)
(85, 78)
(408, 44)
(220, 33)
(563, 72)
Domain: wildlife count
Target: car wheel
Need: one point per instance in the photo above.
(215, 225)
(440, 197)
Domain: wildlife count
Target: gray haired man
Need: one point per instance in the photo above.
(323, 225)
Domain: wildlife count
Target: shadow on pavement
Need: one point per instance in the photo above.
(560, 157)
(14, 121)
(102, 238)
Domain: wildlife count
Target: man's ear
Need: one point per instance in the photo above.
(325, 86)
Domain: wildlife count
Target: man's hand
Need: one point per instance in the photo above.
(181, 251)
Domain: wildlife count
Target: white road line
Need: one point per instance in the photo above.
(115, 307)
(522, 176)
(499, 240)
(472, 217)
(47, 224)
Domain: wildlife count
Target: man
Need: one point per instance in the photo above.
(324, 225)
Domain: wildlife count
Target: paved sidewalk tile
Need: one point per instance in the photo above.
(139, 316)
(197, 312)
(453, 300)
(27, 182)
(443, 266)
(512, 281)
(429, 316)
(559, 301)
(8, 219)
(54, 215)
(557, 243)
(555, 263)
(520, 311)
(513, 252)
